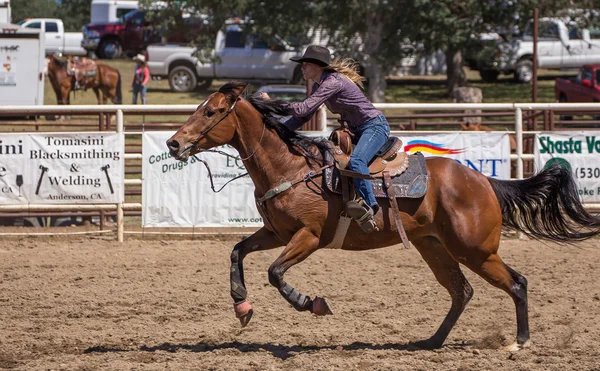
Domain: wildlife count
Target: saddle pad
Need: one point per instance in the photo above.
(410, 184)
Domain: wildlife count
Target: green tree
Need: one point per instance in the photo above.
(74, 14)
(22, 9)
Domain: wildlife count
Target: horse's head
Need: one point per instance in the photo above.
(213, 124)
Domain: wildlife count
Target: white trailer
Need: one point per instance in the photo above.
(21, 65)
(5, 11)
(109, 11)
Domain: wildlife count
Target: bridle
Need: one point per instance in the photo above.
(207, 130)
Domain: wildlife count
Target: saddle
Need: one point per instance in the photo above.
(84, 72)
(388, 174)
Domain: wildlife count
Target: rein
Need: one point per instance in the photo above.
(204, 132)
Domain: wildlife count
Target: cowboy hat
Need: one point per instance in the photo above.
(316, 54)
(140, 57)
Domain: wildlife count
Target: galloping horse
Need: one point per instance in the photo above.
(107, 81)
(303, 217)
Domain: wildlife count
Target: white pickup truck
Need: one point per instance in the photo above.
(561, 45)
(236, 57)
(57, 40)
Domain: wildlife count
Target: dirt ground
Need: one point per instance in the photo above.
(90, 303)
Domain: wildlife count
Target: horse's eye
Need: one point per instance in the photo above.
(209, 113)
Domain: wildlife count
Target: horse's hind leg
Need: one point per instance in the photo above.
(496, 272)
(262, 239)
(302, 244)
(448, 274)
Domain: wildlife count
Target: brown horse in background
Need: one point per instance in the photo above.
(303, 218)
(107, 81)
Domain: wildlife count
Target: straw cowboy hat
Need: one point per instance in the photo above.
(316, 54)
(140, 57)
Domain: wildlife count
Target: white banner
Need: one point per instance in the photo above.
(580, 151)
(485, 152)
(61, 168)
(178, 194)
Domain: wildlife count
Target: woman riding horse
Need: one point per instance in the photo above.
(303, 217)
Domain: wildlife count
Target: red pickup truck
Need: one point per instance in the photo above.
(131, 33)
(584, 88)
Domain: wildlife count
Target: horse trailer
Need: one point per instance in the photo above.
(5, 11)
(109, 11)
(22, 52)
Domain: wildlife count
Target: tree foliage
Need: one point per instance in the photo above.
(74, 14)
(23, 9)
(373, 32)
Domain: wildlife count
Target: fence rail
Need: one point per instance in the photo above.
(104, 112)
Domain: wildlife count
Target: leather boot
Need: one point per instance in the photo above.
(363, 214)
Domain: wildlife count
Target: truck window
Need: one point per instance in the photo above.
(37, 25)
(584, 74)
(574, 32)
(234, 39)
(51, 27)
(547, 31)
(594, 33)
(122, 11)
(597, 77)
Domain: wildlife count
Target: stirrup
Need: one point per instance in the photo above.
(363, 215)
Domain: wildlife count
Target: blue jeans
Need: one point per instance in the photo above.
(138, 88)
(369, 138)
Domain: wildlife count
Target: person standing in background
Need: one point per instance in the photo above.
(141, 77)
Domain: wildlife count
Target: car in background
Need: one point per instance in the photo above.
(288, 93)
(57, 40)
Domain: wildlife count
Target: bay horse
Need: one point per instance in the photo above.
(303, 218)
(107, 81)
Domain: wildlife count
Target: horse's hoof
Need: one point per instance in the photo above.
(243, 312)
(320, 307)
(426, 344)
(515, 347)
(246, 318)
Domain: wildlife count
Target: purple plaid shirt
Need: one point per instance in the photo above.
(340, 95)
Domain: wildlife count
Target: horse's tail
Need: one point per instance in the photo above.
(546, 206)
(119, 97)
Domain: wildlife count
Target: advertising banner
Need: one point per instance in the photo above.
(579, 151)
(61, 168)
(485, 152)
(178, 194)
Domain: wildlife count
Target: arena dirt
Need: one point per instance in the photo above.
(90, 303)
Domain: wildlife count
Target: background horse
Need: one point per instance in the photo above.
(304, 217)
(107, 81)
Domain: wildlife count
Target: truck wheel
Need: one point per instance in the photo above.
(563, 99)
(489, 75)
(182, 79)
(110, 49)
(204, 84)
(524, 71)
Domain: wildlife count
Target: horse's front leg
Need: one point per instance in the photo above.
(300, 247)
(262, 239)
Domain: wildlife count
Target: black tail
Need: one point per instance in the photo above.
(119, 97)
(545, 206)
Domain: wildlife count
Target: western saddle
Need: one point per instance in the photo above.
(387, 163)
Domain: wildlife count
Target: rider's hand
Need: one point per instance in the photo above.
(264, 95)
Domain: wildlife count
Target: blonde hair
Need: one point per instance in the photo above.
(348, 67)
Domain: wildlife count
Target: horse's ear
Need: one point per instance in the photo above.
(239, 89)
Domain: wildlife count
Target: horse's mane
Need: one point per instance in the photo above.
(269, 107)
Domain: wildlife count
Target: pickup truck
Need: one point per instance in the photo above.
(561, 45)
(131, 33)
(236, 56)
(584, 88)
(57, 40)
